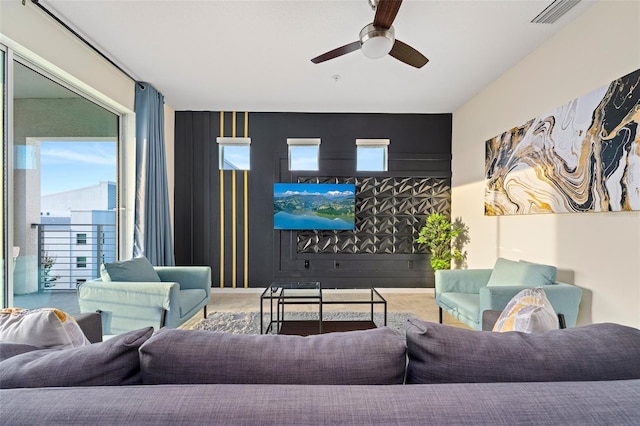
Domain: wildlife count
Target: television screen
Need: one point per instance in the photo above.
(314, 206)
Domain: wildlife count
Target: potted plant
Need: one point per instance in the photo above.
(444, 240)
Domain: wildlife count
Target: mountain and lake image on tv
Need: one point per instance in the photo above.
(314, 206)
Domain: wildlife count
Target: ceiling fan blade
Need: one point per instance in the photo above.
(407, 54)
(343, 50)
(386, 12)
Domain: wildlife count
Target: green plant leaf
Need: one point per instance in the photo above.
(439, 234)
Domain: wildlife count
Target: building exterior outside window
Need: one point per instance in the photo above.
(78, 240)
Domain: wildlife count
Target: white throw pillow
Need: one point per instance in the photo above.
(529, 311)
(45, 328)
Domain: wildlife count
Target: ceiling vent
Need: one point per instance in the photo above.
(554, 11)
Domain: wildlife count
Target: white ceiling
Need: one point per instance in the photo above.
(255, 55)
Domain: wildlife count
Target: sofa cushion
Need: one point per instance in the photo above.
(464, 304)
(113, 362)
(511, 273)
(8, 349)
(612, 403)
(445, 354)
(187, 299)
(45, 328)
(529, 311)
(175, 356)
(138, 269)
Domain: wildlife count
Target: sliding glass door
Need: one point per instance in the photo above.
(63, 192)
(4, 267)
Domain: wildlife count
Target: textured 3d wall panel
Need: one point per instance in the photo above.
(389, 213)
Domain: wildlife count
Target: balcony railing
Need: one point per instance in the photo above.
(69, 254)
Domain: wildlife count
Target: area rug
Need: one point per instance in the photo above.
(249, 322)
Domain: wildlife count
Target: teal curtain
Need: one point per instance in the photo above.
(152, 224)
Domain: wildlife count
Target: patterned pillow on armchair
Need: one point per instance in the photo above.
(529, 311)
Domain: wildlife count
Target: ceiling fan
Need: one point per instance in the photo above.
(377, 39)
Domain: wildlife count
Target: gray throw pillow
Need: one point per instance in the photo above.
(366, 357)
(445, 354)
(9, 349)
(138, 269)
(113, 362)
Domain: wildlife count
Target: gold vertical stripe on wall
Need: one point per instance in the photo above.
(221, 209)
(234, 230)
(233, 124)
(234, 217)
(221, 228)
(246, 210)
(234, 212)
(246, 229)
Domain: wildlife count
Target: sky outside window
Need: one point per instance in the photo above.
(303, 157)
(234, 157)
(71, 165)
(371, 158)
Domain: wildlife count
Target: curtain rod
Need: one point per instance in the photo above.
(84, 40)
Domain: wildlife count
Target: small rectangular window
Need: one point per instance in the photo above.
(372, 155)
(81, 238)
(80, 281)
(81, 262)
(304, 154)
(234, 153)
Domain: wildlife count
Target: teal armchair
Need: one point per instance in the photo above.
(125, 305)
(466, 293)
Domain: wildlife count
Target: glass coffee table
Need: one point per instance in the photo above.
(281, 295)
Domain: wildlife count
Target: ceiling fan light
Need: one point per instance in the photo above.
(376, 42)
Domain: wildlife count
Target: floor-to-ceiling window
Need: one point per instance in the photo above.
(64, 192)
(3, 243)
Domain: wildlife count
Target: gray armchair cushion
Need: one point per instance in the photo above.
(138, 269)
(113, 362)
(444, 354)
(191, 357)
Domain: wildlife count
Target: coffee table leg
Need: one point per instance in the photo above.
(371, 300)
(278, 320)
(261, 316)
(320, 312)
(385, 312)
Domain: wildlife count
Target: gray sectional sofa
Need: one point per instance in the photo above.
(440, 375)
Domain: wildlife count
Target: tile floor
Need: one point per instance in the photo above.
(419, 301)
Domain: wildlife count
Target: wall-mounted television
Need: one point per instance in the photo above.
(314, 206)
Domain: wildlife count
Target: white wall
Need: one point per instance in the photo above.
(37, 37)
(599, 252)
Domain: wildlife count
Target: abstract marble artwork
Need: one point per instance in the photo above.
(583, 156)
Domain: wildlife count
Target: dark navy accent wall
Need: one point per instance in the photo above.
(420, 147)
